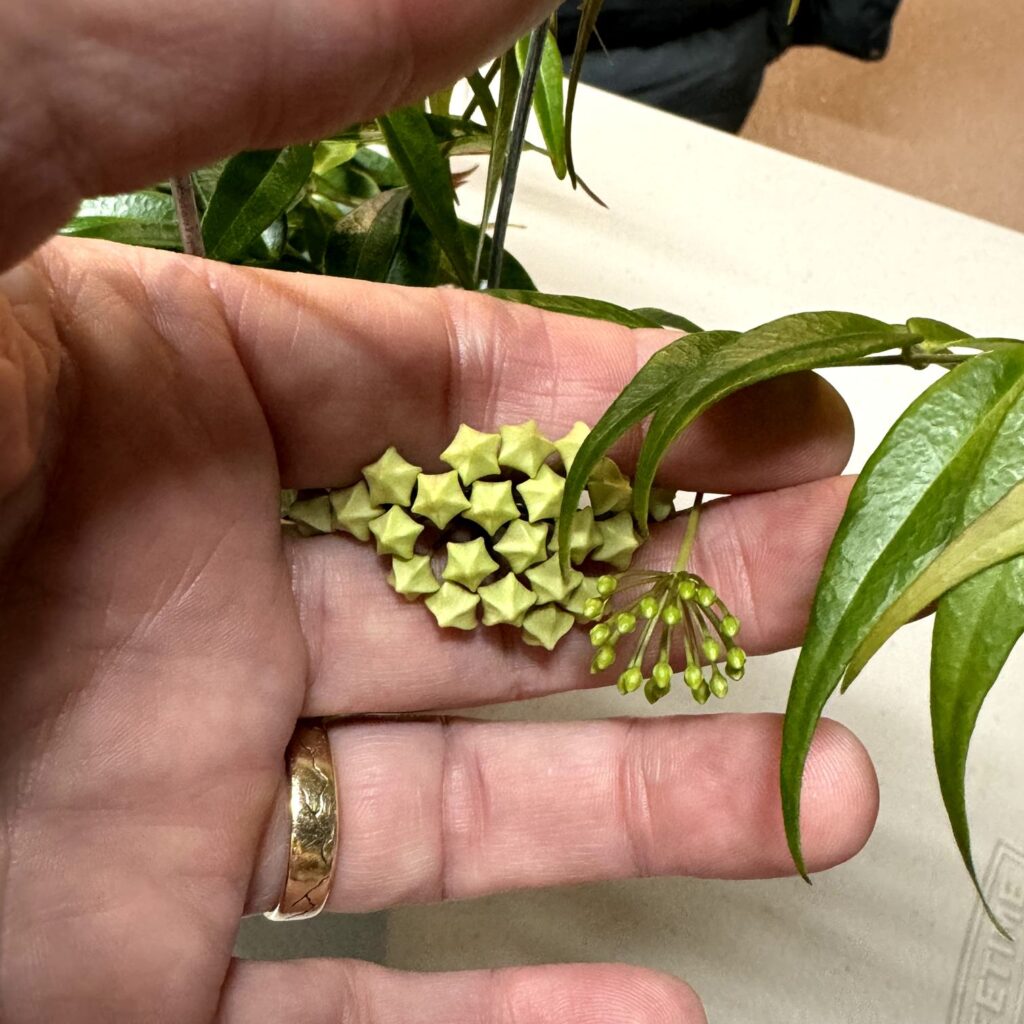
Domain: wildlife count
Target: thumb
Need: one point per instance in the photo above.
(107, 95)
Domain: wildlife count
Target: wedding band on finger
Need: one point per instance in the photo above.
(313, 814)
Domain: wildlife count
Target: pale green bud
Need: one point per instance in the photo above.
(649, 607)
(687, 589)
(625, 622)
(353, 510)
(396, 532)
(569, 445)
(600, 634)
(523, 544)
(453, 606)
(672, 615)
(492, 505)
(692, 676)
(473, 454)
(545, 627)
(711, 648)
(439, 497)
(734, 673)
(524, 448)
(542, 494)
(592, 607)
(662, 675)
(469, 563)
(391, 479)
(413, 577)
(609, 490)
(603, 659)
(630, 680)
(706, 597)
(575, 604)
(736, 657)
(607, 585)
(718, 684)
(314, 513)
(618, 541)
(506, 601)
(701, 693)
(548, 582)
(730, 626)
(662, 503)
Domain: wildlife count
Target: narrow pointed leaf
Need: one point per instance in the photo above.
(663, 318)
(413, 147)
(508, 86)
(547, 99)
(577, 305)
(800, 342)
(253, 190)
(365, 241)
(589, 10)
(904, 509)
(657, 381)
(483, 99)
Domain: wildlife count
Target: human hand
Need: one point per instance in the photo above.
(160, 639)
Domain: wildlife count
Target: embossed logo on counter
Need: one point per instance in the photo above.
(990, 983)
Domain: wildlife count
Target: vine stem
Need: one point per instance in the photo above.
(690, 536)
(914, 361)
(517, 137)
(183, 191)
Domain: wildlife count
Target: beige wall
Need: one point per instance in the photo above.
(941, 117)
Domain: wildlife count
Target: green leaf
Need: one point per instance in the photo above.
(663, 318)
(576, 305)
(512, 271)
(794, 7)
(589, 10)
(330, 154)
(382, 169)
(417, 260)
(483, 98)
(205, 181)
(254, 189)
(133, 218)
(364, 243)
(935, 335)
(508, 86)
(547, 99)
(412, 146)
(800, 342)
(904, 509)
(441, 101)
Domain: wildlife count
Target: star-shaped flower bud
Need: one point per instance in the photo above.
(413, 576)
(523, 544)
(439, 497)
(396, 532)
(542, 494)
(506, 601)
(548, 582)
(618, 541)
(583, 535)
(468, 563)
(287, 498)
(312, 514)
(492, 505)
(353, 510)
(473, 454)
(568, 446)
(662, 503)
(523, 448)
(391, 479)
(579, 597)
(544, 627)
(453, 606)
(609, 490)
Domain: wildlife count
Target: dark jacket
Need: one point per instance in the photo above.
(705, 59)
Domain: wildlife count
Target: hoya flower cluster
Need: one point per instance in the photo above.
(477, 542)
(686, 618)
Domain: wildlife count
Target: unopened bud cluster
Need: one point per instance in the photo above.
(480, 539)
(676, 618)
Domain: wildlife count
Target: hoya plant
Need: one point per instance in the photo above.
(538, 535)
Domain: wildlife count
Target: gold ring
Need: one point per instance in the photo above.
(313, 809)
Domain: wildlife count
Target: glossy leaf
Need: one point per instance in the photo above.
(904, 509)
(133, 218)
(412, 146)
(589, 10)
(331, 153)
(508, 85)
(482, 98)
(800, 342)
(254, 189)
(417, 259)
(663, 318)
(934, 334)
(547, 99)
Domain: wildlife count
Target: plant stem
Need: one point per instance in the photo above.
(690, 536)
(184, 192)
(914, 361)
(517, 138)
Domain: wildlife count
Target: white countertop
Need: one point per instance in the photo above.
(731, 234)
